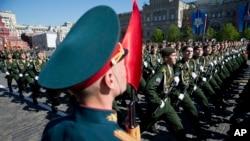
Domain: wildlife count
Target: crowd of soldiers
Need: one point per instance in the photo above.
(182, 74)
(176, 74)
(23, 67)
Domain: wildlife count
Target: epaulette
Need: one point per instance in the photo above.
(163, 70)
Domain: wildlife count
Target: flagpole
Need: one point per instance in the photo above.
(205, 24)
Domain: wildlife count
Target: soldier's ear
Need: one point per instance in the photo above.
(108, 79)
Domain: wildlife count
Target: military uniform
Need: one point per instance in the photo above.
(158, 85)
(202, 82)
(11, 70)
(84, 120)
(151, 62)
(93, 118)
(24, 78)
(33, 70)
(190, 90)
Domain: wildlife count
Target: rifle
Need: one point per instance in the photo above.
(133, 127)
(183, 92)
(164, 98)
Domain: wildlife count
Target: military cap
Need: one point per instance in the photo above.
(185, 47)
(167, 51)
(197, 46)
(88, 51)
(206, 46)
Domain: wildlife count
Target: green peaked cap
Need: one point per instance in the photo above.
(84, 51)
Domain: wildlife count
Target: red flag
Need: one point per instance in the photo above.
(133, 42)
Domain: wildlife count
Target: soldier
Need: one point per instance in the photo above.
(11, 71)
(34, 69)
(24, 78)
(201, 80)
(158, 85)
(186, 69)
(152, 61)
(95, 79)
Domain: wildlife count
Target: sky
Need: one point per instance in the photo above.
(57, 12)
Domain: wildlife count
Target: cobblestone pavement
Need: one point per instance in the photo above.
(20, 120)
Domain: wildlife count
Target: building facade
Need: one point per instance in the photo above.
(157, 14)
(162, 13)
(154, 14)
(219, 12)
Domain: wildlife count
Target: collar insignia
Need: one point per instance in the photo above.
(112, 117)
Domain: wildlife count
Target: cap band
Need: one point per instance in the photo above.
(117, 55)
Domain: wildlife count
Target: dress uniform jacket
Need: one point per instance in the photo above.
(11, 67)
(74, 127)
(23, 67)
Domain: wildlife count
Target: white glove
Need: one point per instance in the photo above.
(194, 75)
(176, 80)
(36, 77)
(204, 79)
(153, 71)
(7, 73)
(145, 64)
(211, 64)
(20, 75)
(195, 87)
(215, 62)
(202, 68)
(162, 104)
(181, 96)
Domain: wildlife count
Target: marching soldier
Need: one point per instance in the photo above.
(157, 87)
(11, 71)
(201, 80)
(24, 78)
(186, 70)
(152, 61)
(35, 68)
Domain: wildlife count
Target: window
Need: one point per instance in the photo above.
(172, 16)
(164, 17)
(155, 18)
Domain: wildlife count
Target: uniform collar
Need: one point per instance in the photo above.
(95, 115)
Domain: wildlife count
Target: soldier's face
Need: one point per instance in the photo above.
(40, 55)
(188, 53)
(23, 56)
(198, 52)
(9, 56)
(171, 59)
(119, 72)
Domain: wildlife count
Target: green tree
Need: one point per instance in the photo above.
(174, 33)
(229, 32)
(246, 33)
(158, 36)
(211, 33)
(188, 33)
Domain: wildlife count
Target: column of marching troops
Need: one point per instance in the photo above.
(199, 81)
(23, 67)
(201, 74)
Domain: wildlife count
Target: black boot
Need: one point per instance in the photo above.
(181, 135)
(35, 101)
(10, 90)
(21, 95)
(54, 109)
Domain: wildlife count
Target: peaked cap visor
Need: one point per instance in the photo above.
(85, 50)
